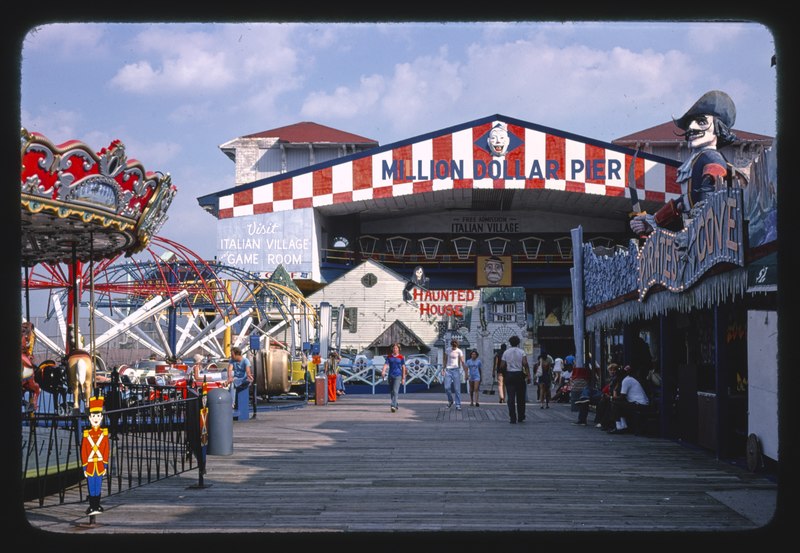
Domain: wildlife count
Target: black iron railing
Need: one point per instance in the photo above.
(154, 433)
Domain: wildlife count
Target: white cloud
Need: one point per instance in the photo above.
(58, 126)
(136, 77)
(421, 88)
(196, 71)
(154, 156)
(251, 64)
(345, 102)
(66, 40)
(711, 37)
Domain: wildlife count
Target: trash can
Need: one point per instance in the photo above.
(220, 422)
(321, 389)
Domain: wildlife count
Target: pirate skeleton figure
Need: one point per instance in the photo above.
(95, 452)
(706, 125)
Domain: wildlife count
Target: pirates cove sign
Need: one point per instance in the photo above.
(714, 235)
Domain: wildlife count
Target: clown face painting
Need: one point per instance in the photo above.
(498, 140)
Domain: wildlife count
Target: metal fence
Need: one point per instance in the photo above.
(365, 371)
(154, 433)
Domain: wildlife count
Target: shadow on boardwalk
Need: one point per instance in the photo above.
(354, 467)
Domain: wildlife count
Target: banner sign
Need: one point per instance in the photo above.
(259, 243)
(714, 235)
(442, 302)
(484, 225)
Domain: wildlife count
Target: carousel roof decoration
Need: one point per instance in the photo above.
(95, 204)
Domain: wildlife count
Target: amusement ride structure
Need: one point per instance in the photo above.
(89, 223)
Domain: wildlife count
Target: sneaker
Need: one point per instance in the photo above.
(458, 408)
(477, 404)
(579, 423)
(599, 425)
(449, 404)
(394, 409)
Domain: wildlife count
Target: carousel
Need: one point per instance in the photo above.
(81, 210)
(89, 223)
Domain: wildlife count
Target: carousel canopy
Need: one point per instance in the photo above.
(76, 202)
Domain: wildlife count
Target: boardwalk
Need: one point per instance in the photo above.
(353, 466)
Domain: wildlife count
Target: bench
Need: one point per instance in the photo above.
(646, 419)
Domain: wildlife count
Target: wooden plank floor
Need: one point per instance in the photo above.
(353, 466)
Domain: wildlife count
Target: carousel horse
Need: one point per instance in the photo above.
(29, 383)
(80, 375)
(52, 377)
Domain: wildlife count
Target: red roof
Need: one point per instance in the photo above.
(307, 131)
(668, 133)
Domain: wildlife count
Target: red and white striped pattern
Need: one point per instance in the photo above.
(362, 178)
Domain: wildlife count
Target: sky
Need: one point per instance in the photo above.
(173, 92)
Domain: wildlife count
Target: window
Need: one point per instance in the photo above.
(463, 246)
(506, 312)
(397, 245)
(429, 246)
(369, 280)
(366, 245)
(350, 322)
(497, 245)
(340, 242)
(564, 247)
(531, 246)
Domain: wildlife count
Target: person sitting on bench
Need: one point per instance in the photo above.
(627, 402)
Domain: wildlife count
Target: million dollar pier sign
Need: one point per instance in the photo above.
(714, 235)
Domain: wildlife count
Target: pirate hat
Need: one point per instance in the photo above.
(714, 102)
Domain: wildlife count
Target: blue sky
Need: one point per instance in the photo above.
(174, 92)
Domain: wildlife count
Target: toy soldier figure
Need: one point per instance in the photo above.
(95, 453)
(706, 126)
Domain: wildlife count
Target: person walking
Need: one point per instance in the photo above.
(498, 374)
(395, 365)
(515, 362)
(454, 362)
(545, 380)
(474, 365)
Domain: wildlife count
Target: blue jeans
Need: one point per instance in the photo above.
(452, 385)
(394, 389)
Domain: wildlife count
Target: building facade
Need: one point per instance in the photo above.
(487, 209)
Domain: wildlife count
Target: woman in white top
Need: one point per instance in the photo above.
(454, 362)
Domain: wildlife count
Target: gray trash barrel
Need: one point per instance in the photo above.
(220, 422)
